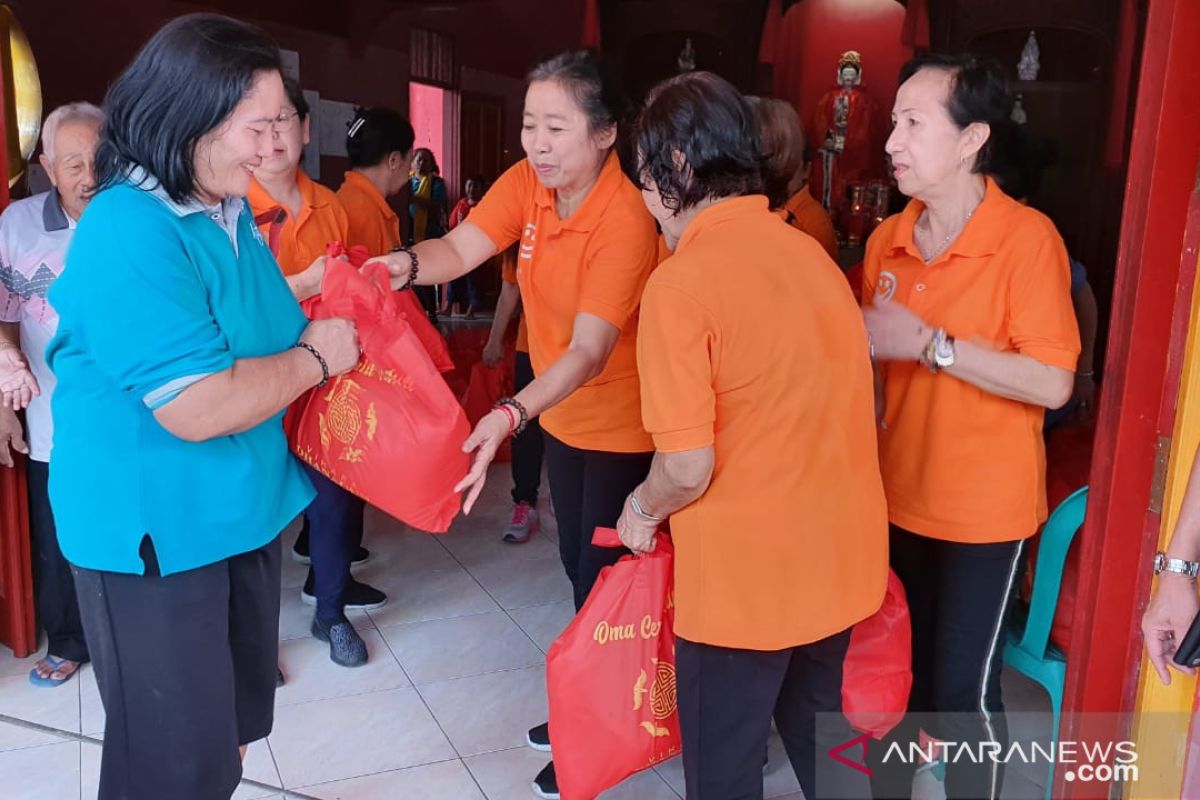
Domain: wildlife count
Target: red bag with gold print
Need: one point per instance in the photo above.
(611, 675)
(390, 430)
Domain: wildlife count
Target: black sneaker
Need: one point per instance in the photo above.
(539, 737)
(545, 785)
(358, 596)
(346, 647)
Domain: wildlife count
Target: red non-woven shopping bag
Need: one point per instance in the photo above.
(611, 676)
(486, 386)
(390, 430)
(877, 672)
(406, 302)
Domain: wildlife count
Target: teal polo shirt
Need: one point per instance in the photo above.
(156, 296)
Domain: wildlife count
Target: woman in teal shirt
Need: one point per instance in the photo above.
(179, 347)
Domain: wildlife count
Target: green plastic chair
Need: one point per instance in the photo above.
(1029, 650)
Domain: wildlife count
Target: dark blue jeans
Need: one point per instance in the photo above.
(334, 522)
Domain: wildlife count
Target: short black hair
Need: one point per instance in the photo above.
(182, 84)
(295, 96)
(590, 83)
(703, 117)
(978, 93)
(376, 132)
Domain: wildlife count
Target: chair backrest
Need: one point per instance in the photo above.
(1055, 543)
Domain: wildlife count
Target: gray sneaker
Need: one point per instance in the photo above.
(525, 523)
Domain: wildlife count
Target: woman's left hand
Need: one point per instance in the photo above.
(636, 532)
(896, 333)
(485, 440)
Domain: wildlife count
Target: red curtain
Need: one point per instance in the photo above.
(590, 37)
(805, 43)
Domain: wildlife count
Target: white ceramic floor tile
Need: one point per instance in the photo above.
(48, 772)
(545, 622)
(780, 778)
(432, 595)
(524, 583)
(403, 553)
(348, 737)
(259, 766)
(507, 775)
(447, 780)
(91, 709)
(489, 712)
(56, 707)
(454, 648)
(481, 542)
(295, 618)
(11, 665)
(309, 674)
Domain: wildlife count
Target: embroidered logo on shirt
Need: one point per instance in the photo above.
(886, 288)
(527, 240)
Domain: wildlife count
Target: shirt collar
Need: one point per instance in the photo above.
(230, 207)
(589, 213)
(722, 211)
(981, 236)
(54, 218)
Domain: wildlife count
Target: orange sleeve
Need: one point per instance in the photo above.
(871, 263)
(1042, 321)
(678, 343)
(501, 212)
(624, 253)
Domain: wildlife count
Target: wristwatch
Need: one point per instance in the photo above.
(943, 349)
(1163, 563)
(939, 352)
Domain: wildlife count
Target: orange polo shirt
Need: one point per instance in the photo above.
(373, 223)
(804, 213)
(508, 273)
(959, 463)
(789, 543)
(301, 239)
(595, 262)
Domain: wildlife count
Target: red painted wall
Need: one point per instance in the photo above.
(815, 33)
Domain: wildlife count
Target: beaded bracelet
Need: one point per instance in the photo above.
(320, 359)
(509, 402)
(412, 272)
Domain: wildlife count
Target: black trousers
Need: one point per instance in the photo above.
(529, 447)
(958, 597)
(589, 488)
(54, 585)
(186, 670)
(727, 698)
(333, 524)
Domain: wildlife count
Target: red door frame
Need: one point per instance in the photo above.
(16, 586)
(1156, 265)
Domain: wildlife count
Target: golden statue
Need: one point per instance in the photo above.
(22, 95)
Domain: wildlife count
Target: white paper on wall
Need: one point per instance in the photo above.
(335, 119)
(312, 151)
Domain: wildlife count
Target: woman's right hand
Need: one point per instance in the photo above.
(493, 352)
(1173, 606)
(337, 342)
